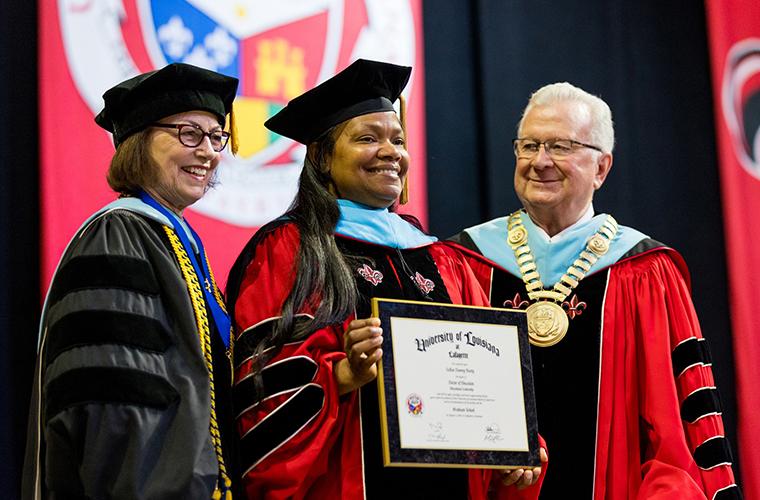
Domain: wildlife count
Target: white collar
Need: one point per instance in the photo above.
(587, 216)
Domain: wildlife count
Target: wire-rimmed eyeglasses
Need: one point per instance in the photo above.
(556, 148)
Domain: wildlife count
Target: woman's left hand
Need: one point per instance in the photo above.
(522, 478)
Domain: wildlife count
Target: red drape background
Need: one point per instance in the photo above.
(734, 33)
(75, 56)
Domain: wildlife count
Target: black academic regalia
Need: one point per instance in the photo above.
(121, 402)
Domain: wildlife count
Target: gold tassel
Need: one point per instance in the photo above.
(404, 198)
(217, 495)
(228, 487)
(234, 140)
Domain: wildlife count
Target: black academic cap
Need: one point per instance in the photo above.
(134, 104)
(363, 87)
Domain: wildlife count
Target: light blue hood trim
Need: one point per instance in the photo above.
(552, 258)
(378, 226)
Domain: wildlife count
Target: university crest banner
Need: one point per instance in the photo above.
(277, 49)
(734, 29)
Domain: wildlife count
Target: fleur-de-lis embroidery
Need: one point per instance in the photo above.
(372, 275)
(574, 307)
(425, 285)
(516, 302)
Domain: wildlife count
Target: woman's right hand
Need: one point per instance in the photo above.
(361, 342)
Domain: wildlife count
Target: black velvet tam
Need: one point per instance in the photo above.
(363, 87)
(134, 104)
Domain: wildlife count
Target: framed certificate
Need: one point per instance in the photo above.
(455, 386)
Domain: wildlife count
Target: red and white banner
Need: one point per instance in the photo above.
(734, 28)
(277, 49)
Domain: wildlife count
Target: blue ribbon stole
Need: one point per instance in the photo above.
(221, 319)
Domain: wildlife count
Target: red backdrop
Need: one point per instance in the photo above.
(734, 27)
(75, 152)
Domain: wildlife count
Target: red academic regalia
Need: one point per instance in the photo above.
(303, 440)
(656, 425)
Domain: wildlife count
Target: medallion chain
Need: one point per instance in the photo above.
(547, 321)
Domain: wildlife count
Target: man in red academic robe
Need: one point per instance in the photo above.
(624, 389)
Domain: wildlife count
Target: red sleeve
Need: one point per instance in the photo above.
(301, 436)
(463, 285)
(683, 450)
(480, 267)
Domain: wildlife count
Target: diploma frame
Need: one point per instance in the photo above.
(392, 402)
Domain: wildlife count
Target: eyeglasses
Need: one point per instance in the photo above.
(192, 135)
(556, 148)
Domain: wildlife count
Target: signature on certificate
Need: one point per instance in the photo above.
(492, 433)
(436, 432)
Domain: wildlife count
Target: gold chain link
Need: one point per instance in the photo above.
(597, 245)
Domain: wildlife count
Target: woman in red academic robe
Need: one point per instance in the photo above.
(299, 293)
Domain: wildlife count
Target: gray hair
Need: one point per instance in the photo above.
(592, 110)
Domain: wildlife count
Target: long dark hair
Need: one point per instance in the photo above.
(323, 282)
(323, 277)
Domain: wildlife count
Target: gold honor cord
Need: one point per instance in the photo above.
(199, 307)
(547, 320)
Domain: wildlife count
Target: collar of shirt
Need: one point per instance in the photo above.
(587, 216)
(379, 226)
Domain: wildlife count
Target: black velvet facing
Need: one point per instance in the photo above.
(731, 493)
(566, 378)
(465, 240)
(396, 268)
(104, 271)
(712, 453)
(280, 426)
(642, 246)
(690, 352)
(91, 327)
(107, 386)
(700, 403)
(246, 343)
(286, 375)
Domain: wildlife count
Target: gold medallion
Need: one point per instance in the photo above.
(547, 323)
(517, 236)
(599, 244)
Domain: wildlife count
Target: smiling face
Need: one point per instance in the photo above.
(370, 161)
(556, 192)
(184, 173)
